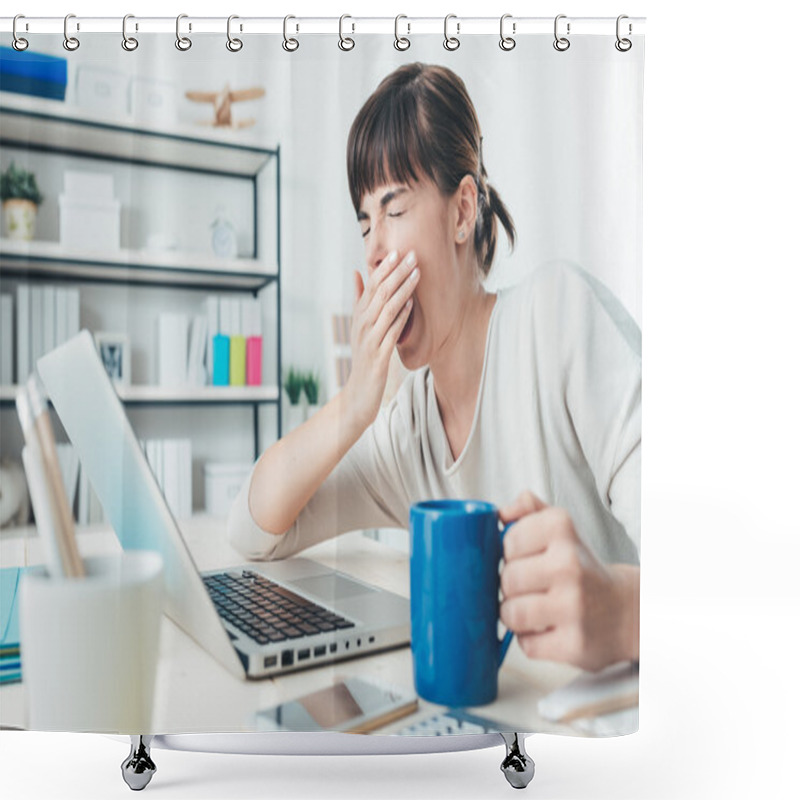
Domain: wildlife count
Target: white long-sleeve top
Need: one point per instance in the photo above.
(558, 413)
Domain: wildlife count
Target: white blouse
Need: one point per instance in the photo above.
(558, 413)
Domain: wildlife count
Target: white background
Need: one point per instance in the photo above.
(721, 530)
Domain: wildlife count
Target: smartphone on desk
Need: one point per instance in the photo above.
(353, 705)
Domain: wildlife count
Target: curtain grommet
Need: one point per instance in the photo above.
(183, 43)
(401, 42)
(346, 43)
(623, 44)
(19, 43)
(451, 42)
(233, 44)
(71, 43)
(129, 43)
(507, 43)
(289, 44)
(561, 43)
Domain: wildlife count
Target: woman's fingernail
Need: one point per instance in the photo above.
(392, 257)
(411, 258)
(415, 274)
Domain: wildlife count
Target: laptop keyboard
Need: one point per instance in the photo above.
(266, 611)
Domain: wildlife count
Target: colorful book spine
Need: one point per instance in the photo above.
(254, 361)
(238, 361)
(221, 358)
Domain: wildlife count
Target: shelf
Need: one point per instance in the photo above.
(55, 126)
(51, 259)
(190, 395)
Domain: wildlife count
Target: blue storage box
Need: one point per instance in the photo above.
(33, 73)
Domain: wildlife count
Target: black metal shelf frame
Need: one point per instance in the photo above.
(266, 154)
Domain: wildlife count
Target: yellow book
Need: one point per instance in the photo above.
(238, 360)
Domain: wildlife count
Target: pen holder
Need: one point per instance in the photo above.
(89, 646)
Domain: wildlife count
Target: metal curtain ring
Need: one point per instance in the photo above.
(71, 43)
(561, 43)
(289, 45)
(451, 42)
(507, 42)
(345, 42)
(128, 42)
(19, 43)
(182, 42)
(233, 44)
(623, 45)
(400, 42)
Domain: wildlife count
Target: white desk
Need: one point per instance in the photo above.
(196, 694)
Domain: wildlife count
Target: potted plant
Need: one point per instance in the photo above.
(20, 197)
(311, 390)
(293, 386)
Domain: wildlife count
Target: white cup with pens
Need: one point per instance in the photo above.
(89, 629)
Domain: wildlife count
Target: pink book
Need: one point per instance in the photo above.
(254, 361)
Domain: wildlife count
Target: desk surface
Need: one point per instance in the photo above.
(194, 693)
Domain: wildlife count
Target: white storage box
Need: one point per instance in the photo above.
(153, 101)
(95, 187)
(223, 481)
(89, 224)
(102, 89)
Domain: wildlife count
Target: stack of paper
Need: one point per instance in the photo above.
(10, 664)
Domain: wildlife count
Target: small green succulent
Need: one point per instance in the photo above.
(19, 184)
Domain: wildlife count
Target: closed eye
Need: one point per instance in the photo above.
(396, 214)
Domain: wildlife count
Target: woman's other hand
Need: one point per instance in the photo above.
(382, 307)
(561, 602)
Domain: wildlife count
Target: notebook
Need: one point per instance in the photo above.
(336, 615)
(10, 664)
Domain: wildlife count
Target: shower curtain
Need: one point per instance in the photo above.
(230, 221)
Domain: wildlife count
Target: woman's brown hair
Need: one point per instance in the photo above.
(421, 119)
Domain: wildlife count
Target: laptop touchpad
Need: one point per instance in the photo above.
(331, 587)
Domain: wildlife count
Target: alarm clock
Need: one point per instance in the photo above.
(223, 237)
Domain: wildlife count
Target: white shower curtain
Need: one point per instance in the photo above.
(562, 145)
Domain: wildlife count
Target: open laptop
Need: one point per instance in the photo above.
(238, 615)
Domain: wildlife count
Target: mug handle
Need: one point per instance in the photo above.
(504, 643)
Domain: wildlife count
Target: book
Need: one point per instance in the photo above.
(186, 477)
(175, 465)
(222, 354)
(23, 332)
(173, 348)
(6, 339)
(226, 316)
(236, 317)
(37, 325)
(212, 320)
(253, 359)
(251, 330)
(238, 360)
(49, 317)
(73, 312)
(197, 346)
(62, 315)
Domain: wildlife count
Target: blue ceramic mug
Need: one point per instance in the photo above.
(456, 548)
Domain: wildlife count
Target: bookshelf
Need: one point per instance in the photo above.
(35, 260)
(33, 126)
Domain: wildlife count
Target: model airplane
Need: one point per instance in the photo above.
(223, 101)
